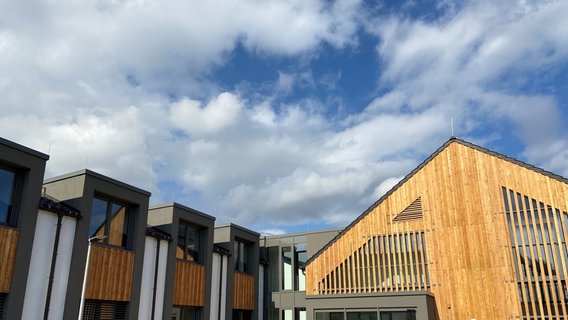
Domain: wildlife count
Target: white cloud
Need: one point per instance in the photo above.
(219, 113)
(126, 88)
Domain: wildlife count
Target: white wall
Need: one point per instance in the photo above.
(260, 295)
(40, 265)
(148, 276)
(218, 286)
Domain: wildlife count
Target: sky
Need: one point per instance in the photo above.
(280, 115)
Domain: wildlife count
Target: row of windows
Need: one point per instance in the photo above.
(366, 315)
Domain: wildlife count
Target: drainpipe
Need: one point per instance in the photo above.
(220, 286)
(156, 269)
(52, 269)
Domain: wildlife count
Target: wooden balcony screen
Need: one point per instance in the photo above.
(538, 237)
(8, 244)
(110, 274)
(392, 262)
(189, 284)
(243, 291)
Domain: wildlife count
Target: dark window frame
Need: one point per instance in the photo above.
(242, 258)
(197, 254)
(128, 222)
(16, 195)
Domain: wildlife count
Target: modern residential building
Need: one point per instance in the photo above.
(113, 231)
(21, 175)
(242, 280)
(284, 278)
(468, 234)
(189, 259)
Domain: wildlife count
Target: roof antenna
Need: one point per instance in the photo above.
(452, 125)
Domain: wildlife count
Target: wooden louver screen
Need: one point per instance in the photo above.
(412, 212)
(189, 287)
(243, 291)
(8, 244)
(110, 274)
(391, 262)
(538, 237)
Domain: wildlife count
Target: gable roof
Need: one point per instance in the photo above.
(418, 168)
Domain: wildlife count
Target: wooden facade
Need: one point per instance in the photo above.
(460, 226)
(110, 274)
(189, 284)
(8, 244)
(243, 291)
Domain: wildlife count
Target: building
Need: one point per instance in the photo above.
(468, 234)
(21, 175)
(284, 277)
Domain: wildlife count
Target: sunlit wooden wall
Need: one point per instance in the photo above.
(189, 284)
(243, 291)
(8, 244)
(110, 274)
(468, 252)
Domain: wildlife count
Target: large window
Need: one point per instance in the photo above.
(330, 315)
(300, 257)
(241, 256)
(189, 242)
(7, 196)
(287, 271)
(398, 315)
(110, 221)
(185, 313)
(538, 247)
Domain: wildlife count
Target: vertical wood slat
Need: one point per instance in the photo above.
(8, 244)
(243, 291)
(110, 274)
(189, 284)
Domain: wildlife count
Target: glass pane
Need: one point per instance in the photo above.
(287, 315)
(287, 268)
(181, 242)
(192, 243)
(118, 226)
(7, 183)
(98, 217)
(301, 255)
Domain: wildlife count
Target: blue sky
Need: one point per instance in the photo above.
(281, 116)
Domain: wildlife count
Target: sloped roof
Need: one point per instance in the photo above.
(424, 163)
(51, 205)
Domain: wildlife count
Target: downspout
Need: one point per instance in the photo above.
(220, 287)
(156, 269)
(53, 262)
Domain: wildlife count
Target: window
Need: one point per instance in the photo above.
(287, 314)
(362, 315)
(333, 315)
(99, 310)
(189, 242)
(241, 257)
(398, 315)
(301, 314)
(185, 313)
(109, 219)
(242, 315)
(287, 272)
(300, 257)
(8, 180)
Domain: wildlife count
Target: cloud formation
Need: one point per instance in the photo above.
(133, 89)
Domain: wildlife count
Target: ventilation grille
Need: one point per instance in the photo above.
(412, 212)
(2, 301)
(104, 310)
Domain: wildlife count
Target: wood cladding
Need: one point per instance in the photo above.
(470, 261)
(110, 274)
(243, 291)
(8, 244)
(189, 284)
